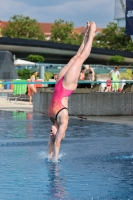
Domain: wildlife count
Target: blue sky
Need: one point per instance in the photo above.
(77, 11)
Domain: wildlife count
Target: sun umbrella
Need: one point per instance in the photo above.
(20, 62)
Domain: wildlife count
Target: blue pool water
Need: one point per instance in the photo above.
(96, 160)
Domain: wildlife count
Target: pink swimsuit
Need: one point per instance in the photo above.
(55, 104)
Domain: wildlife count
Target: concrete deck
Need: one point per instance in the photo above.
(127, 120)
(15, 105)
(26, 107)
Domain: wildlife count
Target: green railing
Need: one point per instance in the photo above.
(50, 82)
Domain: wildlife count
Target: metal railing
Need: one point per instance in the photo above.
(4, 91)
(51, 83)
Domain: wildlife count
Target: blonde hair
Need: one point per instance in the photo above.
(86, 66)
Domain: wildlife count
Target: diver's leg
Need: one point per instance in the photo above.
(50, 147)
(85, 39)
(62, 120)
(66, 67)
(72, 75)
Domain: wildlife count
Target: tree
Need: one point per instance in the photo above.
(117, 59)
(63, 32)
(113, 38)
(20, 26)
(35, 58)
(24, 74)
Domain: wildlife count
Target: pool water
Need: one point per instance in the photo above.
(96, 160)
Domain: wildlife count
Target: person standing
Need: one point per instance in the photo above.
(82, 74)
(115, 77)
(82, 78)
(91, 74)
(32, 87)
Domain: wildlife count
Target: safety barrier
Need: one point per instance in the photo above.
(84, 102)
(91, 102)
(42, 85)
(53, 82)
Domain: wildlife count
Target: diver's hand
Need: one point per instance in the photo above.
(53, 131)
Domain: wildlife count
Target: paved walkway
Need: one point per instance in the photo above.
(15, 105)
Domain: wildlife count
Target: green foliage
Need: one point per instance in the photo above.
(20, 26)
(129, 71)
(35, 58)
(128, 75)
(63, 32)
(113, 38)
(117, 59)
(48, 75)
(24, 74)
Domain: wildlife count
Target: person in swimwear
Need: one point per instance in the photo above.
(65, 86)
(31, 86)
(91, 74)
(82, 77)
(82, 74)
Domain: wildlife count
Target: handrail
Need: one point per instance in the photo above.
(79, 82)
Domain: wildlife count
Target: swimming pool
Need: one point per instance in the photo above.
(96, 160)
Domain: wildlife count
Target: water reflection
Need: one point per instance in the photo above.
(25, 117)
(19, 115)
(29, 127)
(56, 184)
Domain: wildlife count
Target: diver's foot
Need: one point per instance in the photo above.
(92, 29)
(88, 24)
(87, 29)
(56, 160)
(49, 160)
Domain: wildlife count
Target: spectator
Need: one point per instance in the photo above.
(82, 77)
(55, 77)
(91, 74)
(115, 77)
(32, 87)
(82, 73)
(108, 87)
